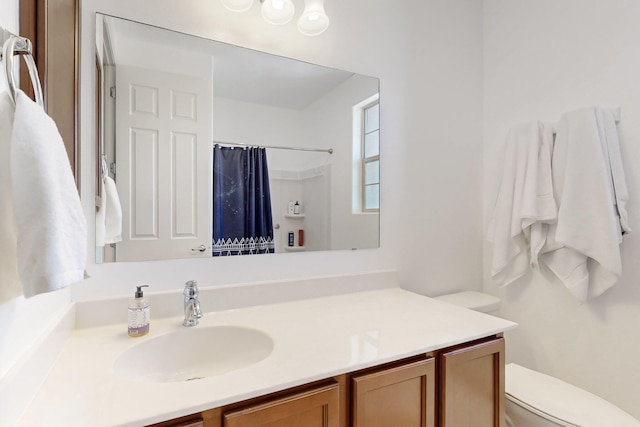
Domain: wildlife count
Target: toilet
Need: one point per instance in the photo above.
(477, 301)
(534, 399)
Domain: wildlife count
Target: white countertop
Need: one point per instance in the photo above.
(313, 339)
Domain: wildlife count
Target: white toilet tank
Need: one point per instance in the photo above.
(477, 301)
(534, 399)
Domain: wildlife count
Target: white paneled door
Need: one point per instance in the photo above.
(163, 164)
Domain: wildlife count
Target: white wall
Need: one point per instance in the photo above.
(249, 123)
(541, 59)
(432, 176)
(317, 198)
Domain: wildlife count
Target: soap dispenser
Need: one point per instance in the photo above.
(139, 314)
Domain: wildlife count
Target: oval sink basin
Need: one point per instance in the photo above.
(193, 353)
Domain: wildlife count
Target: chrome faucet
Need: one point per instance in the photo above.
(192, 310)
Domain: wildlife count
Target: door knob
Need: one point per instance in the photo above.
(200, 248)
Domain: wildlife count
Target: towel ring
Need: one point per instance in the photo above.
(21, 46)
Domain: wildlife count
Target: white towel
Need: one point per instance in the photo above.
(9, 279)
(582, 249)
(611, 148)
(113, 217)
(109, 214)
(52, 230)
(525, 203)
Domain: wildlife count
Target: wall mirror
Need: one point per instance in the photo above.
(165, 99)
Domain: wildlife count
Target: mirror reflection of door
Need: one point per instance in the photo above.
(164, 135)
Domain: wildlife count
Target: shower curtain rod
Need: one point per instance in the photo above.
(321, 150)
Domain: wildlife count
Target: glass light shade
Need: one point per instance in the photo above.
(314, 20)
(278, 12)
(237, 5)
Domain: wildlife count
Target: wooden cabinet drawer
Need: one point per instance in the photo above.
(318, 407)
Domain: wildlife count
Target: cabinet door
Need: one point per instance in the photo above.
(472, 385)
(209, 418)
(191, 424)
(400, 396)
(319, 407)
(197, 422)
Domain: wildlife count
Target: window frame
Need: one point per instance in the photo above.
(364, 160)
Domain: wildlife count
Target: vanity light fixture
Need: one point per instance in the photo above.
(312, 22)
(238, 5)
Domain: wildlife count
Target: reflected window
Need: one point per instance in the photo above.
(371, 158)
(366, 156)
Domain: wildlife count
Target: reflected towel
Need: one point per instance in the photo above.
(52, 230)
(113, 217)
(109, 215)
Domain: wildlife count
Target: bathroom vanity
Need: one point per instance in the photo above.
(458, 386)
(358, 359)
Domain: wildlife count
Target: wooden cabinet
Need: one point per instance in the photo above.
(210, 418)
(318, 407)
(471, 385)
(397, 396)
(461, 386)
(198, 423)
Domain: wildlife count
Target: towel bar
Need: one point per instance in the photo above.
(617, 111)
(16, 45)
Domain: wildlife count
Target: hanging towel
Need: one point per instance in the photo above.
(611, 149)
(525, 204)
(52, 230)
(113, 214)
(582, 248)
(109, 215)
(9, 279)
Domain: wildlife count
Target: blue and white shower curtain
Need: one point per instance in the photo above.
(242, 218)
